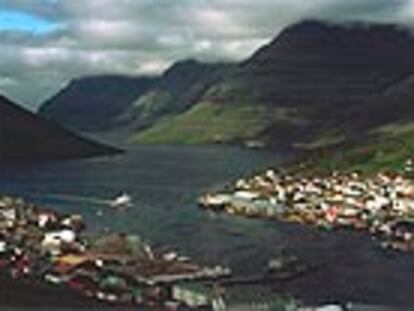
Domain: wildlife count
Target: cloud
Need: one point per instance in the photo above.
(406, 13)
(146, 36)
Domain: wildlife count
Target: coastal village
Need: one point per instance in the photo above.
(381, 205)
(41, 246)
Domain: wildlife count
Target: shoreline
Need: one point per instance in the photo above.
(381, 205)
(334, 222)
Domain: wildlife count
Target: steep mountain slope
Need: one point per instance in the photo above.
(316, 84)
(326, 60)
(95, 103)
(114, 103)
(27, 137)
(180, 87)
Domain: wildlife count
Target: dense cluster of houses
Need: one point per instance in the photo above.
(382, 204)
(44, 246)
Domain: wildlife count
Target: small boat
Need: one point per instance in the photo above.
(286, 267)
(254, 144)
(122, 201)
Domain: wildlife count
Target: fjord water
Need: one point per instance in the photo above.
(165, 182)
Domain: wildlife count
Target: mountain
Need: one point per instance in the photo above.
(178, 88)
(388, 142)
(25, 136)
(319, 59)
(315, 84)
(95, 103)
(110, 103)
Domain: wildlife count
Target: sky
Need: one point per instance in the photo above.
(46, 43)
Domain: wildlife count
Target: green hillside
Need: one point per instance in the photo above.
(212, 123)
(387, 148)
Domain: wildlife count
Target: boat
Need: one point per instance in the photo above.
(124, 200)
(254, 144)
(286, 267)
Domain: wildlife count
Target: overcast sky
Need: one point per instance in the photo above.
(45, 43)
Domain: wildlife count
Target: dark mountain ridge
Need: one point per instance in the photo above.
(312, 60)
(90, 103)
(102, 103)
(27, 137)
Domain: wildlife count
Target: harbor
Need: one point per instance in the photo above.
(48, 252)
(166, 217)
(40, 246)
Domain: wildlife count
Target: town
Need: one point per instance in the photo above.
(381, 204)
(39, 245)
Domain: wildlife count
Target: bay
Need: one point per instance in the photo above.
(165, 182)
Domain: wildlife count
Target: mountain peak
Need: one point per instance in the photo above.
(339, 46)
(320, 25)
(183, 67)
(346, 32)
(89, 103)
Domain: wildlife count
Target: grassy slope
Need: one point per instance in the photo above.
(206, 123)
(212, 123)
(387, 149)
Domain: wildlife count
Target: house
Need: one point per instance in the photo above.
(53, 242)
(192, 295)
(8, 215)
(63, 267)
(44, 217)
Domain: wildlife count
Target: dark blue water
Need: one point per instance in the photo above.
(165, 182)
